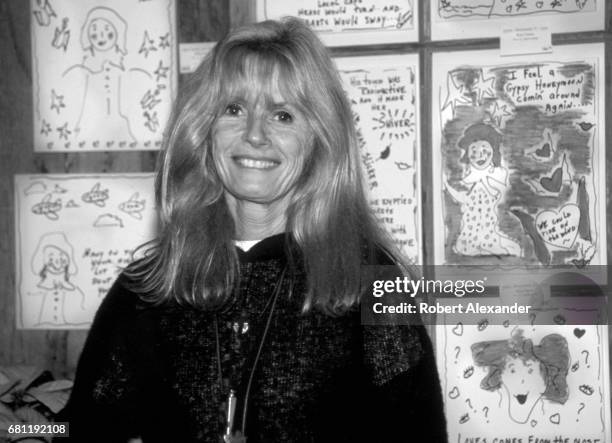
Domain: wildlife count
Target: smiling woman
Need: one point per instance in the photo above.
(243, 316)
(260, 145)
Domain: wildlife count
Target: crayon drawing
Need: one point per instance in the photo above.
(350, 22)
(104, 78)
(61, 301)
(511, 8)
(74, 234)
(453, 19)
(545, 381)
(518, 159)
(384, 97)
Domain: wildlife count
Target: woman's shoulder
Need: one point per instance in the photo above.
(124, 299)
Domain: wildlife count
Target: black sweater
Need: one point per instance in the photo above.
(153, 372)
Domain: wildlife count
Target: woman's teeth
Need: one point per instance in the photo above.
(255, 164)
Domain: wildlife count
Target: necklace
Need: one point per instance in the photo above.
(239, 436)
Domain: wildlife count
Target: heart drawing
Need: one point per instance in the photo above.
(559, 228)
(553, 183)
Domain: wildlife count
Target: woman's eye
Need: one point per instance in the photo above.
(283, 116)
(233, 109)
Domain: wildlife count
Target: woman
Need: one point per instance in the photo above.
(256, 273)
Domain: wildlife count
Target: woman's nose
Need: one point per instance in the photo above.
(256, 130)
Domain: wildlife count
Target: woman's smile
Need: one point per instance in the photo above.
(254, 163)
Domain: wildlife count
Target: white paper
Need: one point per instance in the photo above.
(104, 73)
(74, 234)
(558, 393)
(385, 100)
(192, 54)
(525, 40)
(350, 22)
(457, 19)
(541, 200)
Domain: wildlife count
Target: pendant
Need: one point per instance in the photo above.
(240, 327)
(230, 436)
(237, 437)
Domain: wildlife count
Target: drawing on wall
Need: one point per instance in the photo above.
(542, 381)
(383, 91)
(504, 8)
(518, 159)
(134, 206)
(104, 78)
(452, 19)
(68, 255)
(525, 373)
(350, 22)
(485, 182)
(53, 261)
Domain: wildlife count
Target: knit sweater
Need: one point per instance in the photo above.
(164, 372)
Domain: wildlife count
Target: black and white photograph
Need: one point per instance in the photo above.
(267, 221)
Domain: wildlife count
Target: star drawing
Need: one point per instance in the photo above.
(484, 87)
(164, 41)
(161, 71)
(151, 121)
(57, 101)
(147, 45)
(45, 128)
(499, 112)
(63, 131)
(456, 94)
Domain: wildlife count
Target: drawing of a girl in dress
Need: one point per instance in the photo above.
(103, 39)
(63, 303)
(486, 181)
(525, 373)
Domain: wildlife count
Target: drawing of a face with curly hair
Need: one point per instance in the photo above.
(525, 373)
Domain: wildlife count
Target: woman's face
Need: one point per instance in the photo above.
(56, 260)
(480, 154)
(260, 146)
(524, 385)
(102, 34)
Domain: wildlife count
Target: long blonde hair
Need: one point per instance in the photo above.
(194, 260)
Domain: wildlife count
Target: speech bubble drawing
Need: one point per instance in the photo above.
(559, 228)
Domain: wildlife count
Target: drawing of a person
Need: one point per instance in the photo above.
(527, 373)
(486, 181)
(103, 39)
(62, 301)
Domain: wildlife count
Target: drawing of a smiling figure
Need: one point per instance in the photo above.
(104, 77)
(527, 373)
(62, 301)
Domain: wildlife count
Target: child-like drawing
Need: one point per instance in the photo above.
(486, 181)
(103, 39)
(62, 301)
(527, 373)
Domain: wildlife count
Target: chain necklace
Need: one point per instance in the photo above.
(239, 436)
